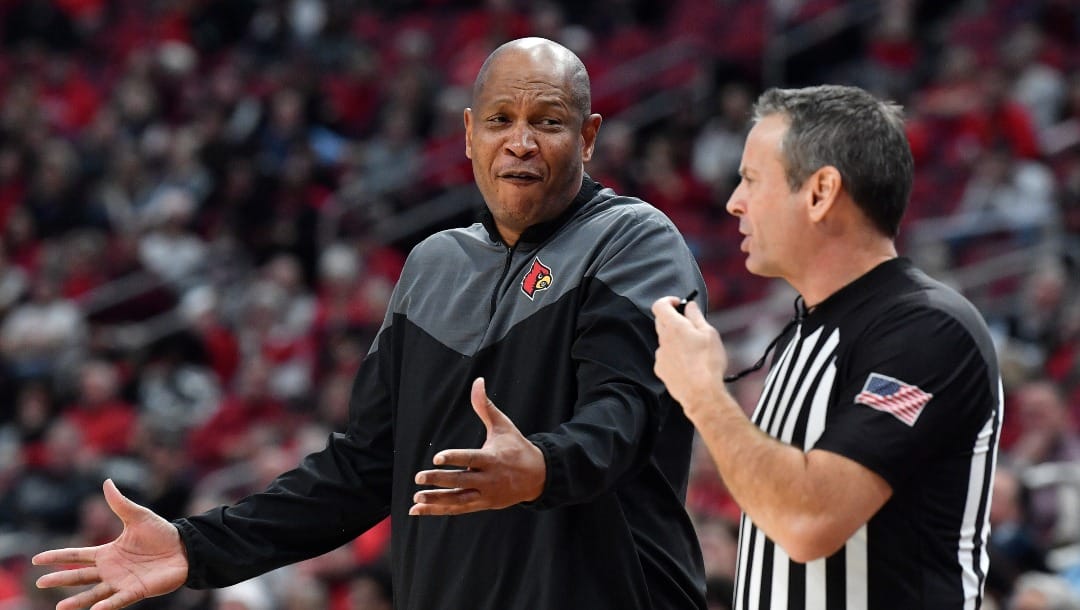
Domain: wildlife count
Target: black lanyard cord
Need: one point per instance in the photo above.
(800, 315)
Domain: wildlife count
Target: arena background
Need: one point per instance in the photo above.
(206, 204)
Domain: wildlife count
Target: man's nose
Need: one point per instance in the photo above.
(522, 141)
(736, 204)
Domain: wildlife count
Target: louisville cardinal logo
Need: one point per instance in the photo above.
(538, 278)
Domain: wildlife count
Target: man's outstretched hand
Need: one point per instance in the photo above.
(146, 560)
(507, 470)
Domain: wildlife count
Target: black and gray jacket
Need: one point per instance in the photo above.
(560, 327)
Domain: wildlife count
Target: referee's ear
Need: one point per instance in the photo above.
(825, 186)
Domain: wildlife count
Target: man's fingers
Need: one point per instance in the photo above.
(480, 402)
(449, 479)
(87, 598)
(81, 555)
(446, 496)
(124, 508)
(463, 458)
(670, 323)
(70, 578)
(121, 599)
(666, 314)
(447, 502)
(494, 419)
(440, 510)
(693, 313)
(103, 597)
(665, 306)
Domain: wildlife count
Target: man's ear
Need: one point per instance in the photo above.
(468, 133)
(825, 185)
(589, 128)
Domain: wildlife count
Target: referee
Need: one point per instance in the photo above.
(865, 471)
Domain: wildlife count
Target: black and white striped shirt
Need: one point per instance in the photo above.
(897, 372)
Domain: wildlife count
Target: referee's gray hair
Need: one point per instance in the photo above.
(858, 134)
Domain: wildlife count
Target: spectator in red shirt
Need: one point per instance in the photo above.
(348, 297)
(69, 98)
(227, 436)
(200, 309)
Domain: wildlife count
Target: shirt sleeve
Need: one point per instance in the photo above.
(914, 387)
(332, 497)
(621, 405)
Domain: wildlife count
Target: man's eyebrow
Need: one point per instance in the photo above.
(546, 100)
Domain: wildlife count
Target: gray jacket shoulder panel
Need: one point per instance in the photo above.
(467, 290)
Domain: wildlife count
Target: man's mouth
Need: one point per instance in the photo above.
(520, 177)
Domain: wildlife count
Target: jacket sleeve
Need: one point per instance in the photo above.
(332, 497)
(621, 405)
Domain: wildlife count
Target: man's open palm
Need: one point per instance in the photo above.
(146, 560)
(507, 470)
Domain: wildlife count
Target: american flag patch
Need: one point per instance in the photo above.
(901, 400)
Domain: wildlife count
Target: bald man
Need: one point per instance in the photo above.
(570, 492)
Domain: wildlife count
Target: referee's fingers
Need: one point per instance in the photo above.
(693, 313)
(664, 306)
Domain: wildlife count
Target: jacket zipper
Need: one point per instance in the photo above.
(502, 276)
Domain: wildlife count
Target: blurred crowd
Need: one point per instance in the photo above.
(195, 252)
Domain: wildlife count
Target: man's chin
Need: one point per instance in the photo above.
(757, 268)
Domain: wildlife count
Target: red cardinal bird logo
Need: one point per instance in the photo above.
(538, 278)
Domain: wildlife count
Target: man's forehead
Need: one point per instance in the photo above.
(526, 69)
(512, 86)
(766, 135)
(770, 127)
(536, 89)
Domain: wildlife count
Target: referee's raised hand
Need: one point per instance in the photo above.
(508, 469)
(691, 358)
(146, 560)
